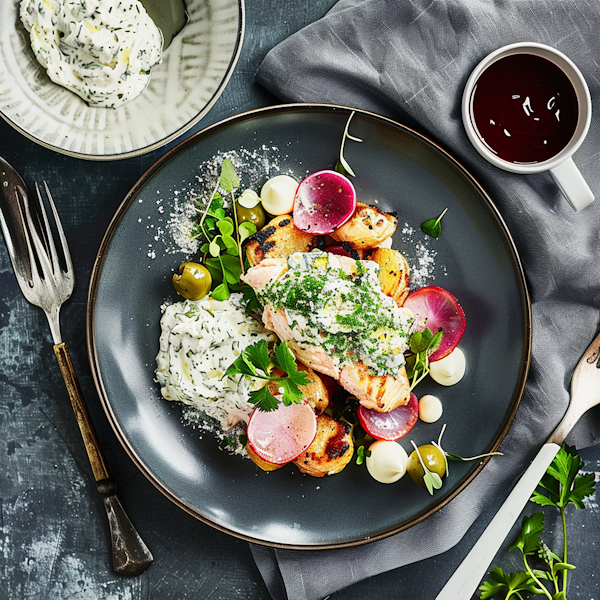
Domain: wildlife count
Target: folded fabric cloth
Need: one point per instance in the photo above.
(409, 60)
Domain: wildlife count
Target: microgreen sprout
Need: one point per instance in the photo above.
(342, 165)
(431, 480)
(433, 227)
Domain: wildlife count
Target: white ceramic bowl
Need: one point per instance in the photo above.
(194, 71)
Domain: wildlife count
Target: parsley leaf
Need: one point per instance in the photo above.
(509, 584)
(256, 361)
(562, 482)
(528, 540)
(422, 345)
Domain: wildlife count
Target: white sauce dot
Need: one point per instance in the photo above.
(430, 408)
(278, 193)
(387, 461)
(450, 369)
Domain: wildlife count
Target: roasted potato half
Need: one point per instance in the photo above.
(393, 273)
(330, 451)
(278, 239)
(367, 228)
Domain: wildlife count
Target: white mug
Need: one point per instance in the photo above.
(561, 165)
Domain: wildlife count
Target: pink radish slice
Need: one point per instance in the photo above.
(435, 307)
(391, 425)
(324, 201)
(281, 435)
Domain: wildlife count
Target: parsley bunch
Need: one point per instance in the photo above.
(561, 485)
(223, 235)
(256, 361)
(422, 345)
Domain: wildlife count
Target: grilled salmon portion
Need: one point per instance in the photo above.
(380, 392)
(367, 228)
(330, 451)
(278, 239)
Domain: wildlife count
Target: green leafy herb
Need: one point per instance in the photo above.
(560, 486)
(433, 227)
(362, 454)
(249, 199)
(256, 361)
(223, 235)
(422, 345)
(342, 165)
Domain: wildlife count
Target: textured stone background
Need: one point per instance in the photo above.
(54, 540)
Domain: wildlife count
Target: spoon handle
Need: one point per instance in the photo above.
(464, 581)
(130, 554)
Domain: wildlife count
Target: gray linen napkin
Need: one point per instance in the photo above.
(409, 60)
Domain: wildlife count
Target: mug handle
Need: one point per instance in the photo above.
(572, 184)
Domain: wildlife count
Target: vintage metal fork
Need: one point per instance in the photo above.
(585, 394)
(46, 279)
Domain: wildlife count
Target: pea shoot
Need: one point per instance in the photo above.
(433, 227)
(224, 236)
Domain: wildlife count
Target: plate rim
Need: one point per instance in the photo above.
(122, 209)
(168, 138)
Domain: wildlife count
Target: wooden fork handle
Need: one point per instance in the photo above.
(130, 554)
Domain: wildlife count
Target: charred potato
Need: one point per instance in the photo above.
(278, 239)
(367, 228)
(393, 273)
(330, 451)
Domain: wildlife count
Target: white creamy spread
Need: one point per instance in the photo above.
(103, 50)
(199, 341)
(278, 194)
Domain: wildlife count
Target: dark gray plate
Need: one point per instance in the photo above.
(476, 261)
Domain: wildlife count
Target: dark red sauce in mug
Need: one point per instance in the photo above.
(524, 108)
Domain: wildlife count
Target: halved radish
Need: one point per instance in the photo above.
(281, 435)
(324, 201)
(435, 307)
(391, 425)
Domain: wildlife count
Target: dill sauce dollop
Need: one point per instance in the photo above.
(524, 108)
(344, 312)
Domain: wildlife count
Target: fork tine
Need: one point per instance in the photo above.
(41, 252)
(60, 231)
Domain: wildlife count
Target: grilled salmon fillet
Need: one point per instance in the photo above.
(330, 451)
(380, 392)
(278, 239)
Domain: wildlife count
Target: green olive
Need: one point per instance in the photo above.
(432, 457)
(193, 281)
(254, 215)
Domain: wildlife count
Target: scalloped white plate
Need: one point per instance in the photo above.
(194, 71)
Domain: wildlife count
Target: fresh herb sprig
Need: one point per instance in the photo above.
(224, 236)
(561, 485)
(422, 345)
(433, 227)
(256, 361)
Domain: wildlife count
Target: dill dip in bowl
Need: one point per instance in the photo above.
(172, 92)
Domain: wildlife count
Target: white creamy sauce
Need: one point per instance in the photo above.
(199, 341)
(278, 194)
(102, 50)
(450, 369)
(430, 408)
(387, 461)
